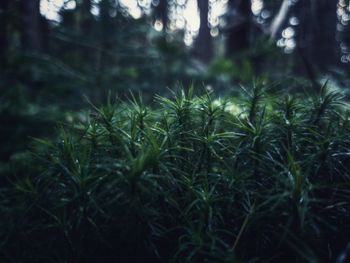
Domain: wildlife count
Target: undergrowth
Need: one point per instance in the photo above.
(190, 179)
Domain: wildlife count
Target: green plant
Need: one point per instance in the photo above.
(188, 180)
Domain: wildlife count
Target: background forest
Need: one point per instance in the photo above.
(174, 130)
(55, 52)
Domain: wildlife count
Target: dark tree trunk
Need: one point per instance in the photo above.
(85, 22)
(31, 37)
(80, 20)
(4, 4)
(325, 24)
(317, 34)
(203, 46)
(238, 35)
(161, 13)
(86, 7)
(86, 15)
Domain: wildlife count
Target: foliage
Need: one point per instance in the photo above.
(193, 179)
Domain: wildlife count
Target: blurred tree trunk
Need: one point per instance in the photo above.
(161, 13)
(86, 15)
(203, 45)
(4, 4)
(279, 19)
(31, 34)
(238, 35)
(105, 43)
(83, 17)
(325, 26)
(317, 36)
